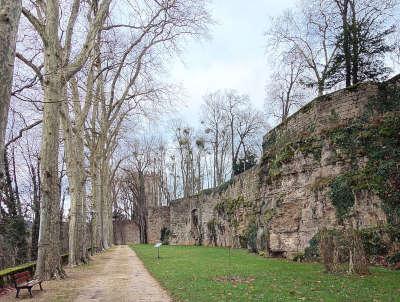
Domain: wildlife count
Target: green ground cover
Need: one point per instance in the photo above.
(200, 274)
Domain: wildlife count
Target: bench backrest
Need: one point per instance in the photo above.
(21, 277)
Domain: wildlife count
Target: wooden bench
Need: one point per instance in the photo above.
(24, 280)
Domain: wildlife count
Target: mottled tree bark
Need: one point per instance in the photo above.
(343, 6)
(10, 12)
(142, 219)
(74, 154)
(36, 209)
(94, 169)
(48, 264)
(58, 71)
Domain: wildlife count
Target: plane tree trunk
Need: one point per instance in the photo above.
(10, 12)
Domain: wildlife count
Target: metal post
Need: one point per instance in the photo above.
(230, 265)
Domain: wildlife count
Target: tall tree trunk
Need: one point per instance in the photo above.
(321, 86)
(234, 159)
(354, 44)
(142, 209)
(36, 212)
(74, 152)
(48, 264)
(216, 165)
(104, 202)
(94, 144)
(175, 182)
(35, 175)
(346, 42)
(96, 203)
(10, 13)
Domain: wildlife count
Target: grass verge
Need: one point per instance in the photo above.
(206, 274)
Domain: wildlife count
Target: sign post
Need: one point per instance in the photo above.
(157, 246)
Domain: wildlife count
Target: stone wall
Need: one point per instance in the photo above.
(158, 218)
(285, 200)
(126, 232)
(319, 115)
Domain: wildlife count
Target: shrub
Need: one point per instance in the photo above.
(212, 231)
(394, 259)
(299, 257)
(311, 253)
(165, 235)
(251, 236)
(329, 249)
(379, 241)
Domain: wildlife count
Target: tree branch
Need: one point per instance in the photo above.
(30, 64)
(95, 27)
(39, 26)
(14, 139)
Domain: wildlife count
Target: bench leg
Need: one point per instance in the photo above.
(17, 296)
(40, 284)
(30, 291)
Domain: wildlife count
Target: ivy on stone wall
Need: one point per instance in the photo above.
(376, 137)
(311, 253)
(218, 190)
(238, 211)
(248, 238)
(342, 196)
(212, 231)
(281, 151)
(229, 206)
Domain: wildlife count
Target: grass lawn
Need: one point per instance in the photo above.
(197, 274)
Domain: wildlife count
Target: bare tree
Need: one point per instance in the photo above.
(184, 140)
(337, 40)
(230, 123)
(233, 107)
(284, 91)
(217, 133)
(310, 36)
(251, 126)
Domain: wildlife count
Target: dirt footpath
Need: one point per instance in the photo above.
(115, 275)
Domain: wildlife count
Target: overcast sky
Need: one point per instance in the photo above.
(233, 57)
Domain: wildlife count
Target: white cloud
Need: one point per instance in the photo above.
(233, 58)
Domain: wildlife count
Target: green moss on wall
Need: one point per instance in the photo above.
(284, 151)
(228, 207)
(342, 196)
(220, 189)
(251, 236)
(375, 136)
(212, 231)
(321, 183)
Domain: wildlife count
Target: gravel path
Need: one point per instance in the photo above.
(115, 275)
(123, 278)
